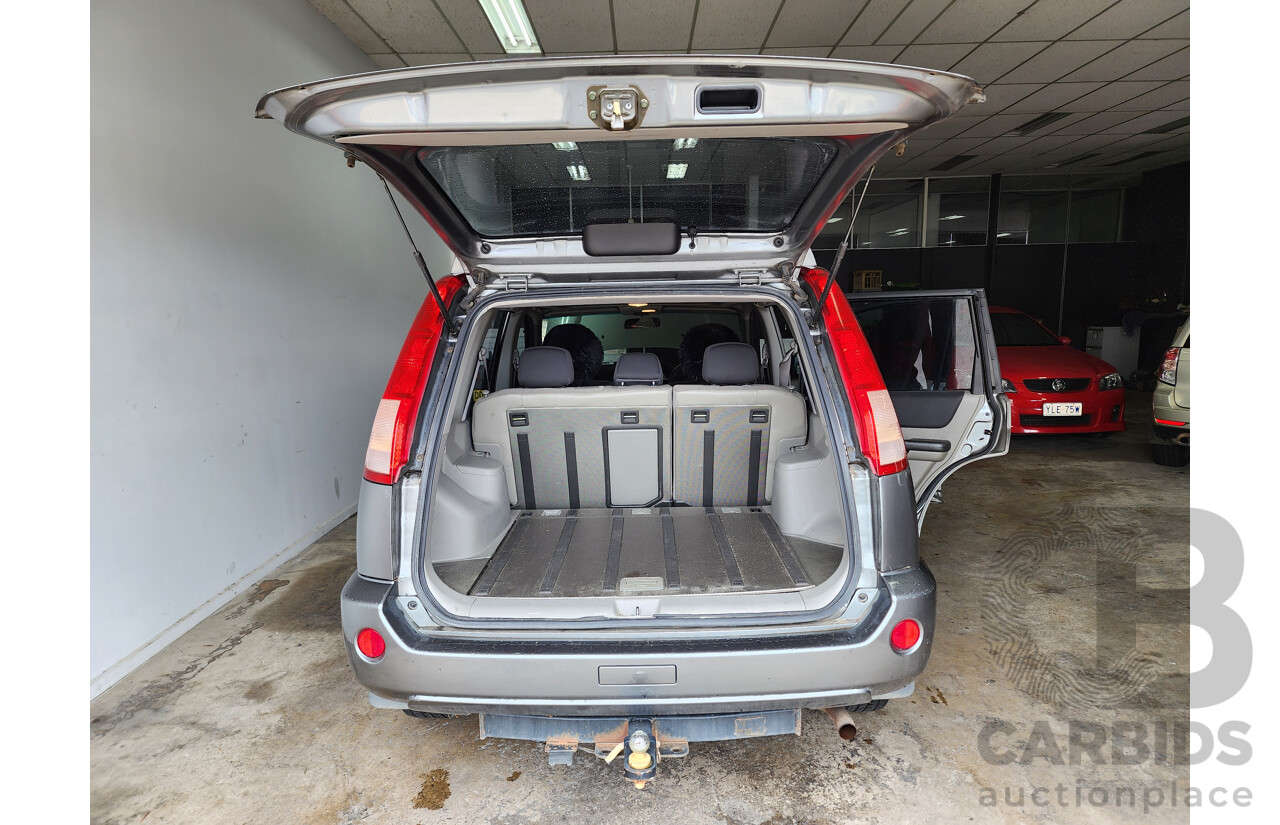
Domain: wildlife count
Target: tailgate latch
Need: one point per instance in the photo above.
(616, 108)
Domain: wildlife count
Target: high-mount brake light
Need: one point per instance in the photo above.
(397, 413)
(879, 434)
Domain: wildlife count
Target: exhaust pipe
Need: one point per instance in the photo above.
(843, 722)
(1183, 438)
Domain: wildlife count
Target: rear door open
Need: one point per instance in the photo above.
(938, 358)
(591, 169)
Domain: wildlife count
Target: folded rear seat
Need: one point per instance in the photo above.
(729, 435)
(579, 447)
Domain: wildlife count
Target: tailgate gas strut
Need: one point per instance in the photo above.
(844, 246)
(422, 264)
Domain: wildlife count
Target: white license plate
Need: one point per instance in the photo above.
(1076, 408)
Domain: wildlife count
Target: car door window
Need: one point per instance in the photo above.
(923, 345)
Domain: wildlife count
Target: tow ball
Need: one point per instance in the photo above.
(640, 766)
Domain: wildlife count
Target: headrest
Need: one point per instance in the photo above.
(730, 363)
(545, 367)
(583, 347)
(637, 368)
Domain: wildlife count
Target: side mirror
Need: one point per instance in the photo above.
(1066, 339)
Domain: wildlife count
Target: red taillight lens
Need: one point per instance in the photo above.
(905, 635)
(879, 435)
(1169, 367)
(393, 423)
(369, 642)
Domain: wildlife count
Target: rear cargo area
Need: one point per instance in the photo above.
(643, 550)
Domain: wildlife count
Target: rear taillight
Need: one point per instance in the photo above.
(879, 435)
(1169, 367)
(393, 424)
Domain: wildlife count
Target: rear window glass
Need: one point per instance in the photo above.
(711, 184)
(647, 332)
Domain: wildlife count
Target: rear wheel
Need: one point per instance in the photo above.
(869, 706)
(1171, 455)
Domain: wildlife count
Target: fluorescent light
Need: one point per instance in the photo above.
(511, 24)
(951, 218)
(566, 146)
(866, 243)
(685, 143)
(578, 172)
(675, 171)
(901, 231)
(1003, 234)
(835, 220)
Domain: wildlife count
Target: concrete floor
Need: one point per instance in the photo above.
(253, 716)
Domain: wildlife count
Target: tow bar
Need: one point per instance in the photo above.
(639, 743)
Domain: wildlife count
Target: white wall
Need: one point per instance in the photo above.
(249, 294)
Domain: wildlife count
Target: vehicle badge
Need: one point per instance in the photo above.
(1058, 385)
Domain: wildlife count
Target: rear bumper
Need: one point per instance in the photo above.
(1102, 412)
(500, 673)
(1163, 409)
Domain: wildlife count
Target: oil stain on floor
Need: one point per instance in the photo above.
(435, 790)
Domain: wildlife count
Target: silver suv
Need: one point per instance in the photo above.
(636, 480)
(1171, 403)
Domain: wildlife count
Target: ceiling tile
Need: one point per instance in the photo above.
(947, 148)
(1126, 59)
(799, 51)
(1061, 58)
(1049, 143)
(812, 22)
(1052, 97)
(1129, 18)
(1093, 124)
(727, 23)
(571, 26)
(914, 19)
(350, 24)
(934, 56)
(969, 21)
(997, 125)
(408, 26)
(871, 22)
(991, 60)
(1170, 94)
(950, 127)
(1002, 145)
(654, 25)
(1050, 19)
(1141, 123)
(471, 25)
(1111, 95)
(434, 59)
(1179, 26)
(1174, 67)
(874, 54)
(388, 61)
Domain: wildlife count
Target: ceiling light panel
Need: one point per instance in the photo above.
(511, 24)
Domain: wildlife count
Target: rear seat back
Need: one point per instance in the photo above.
(729, 435)
(572, 447)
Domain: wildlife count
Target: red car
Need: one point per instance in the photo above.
(1054, 388)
